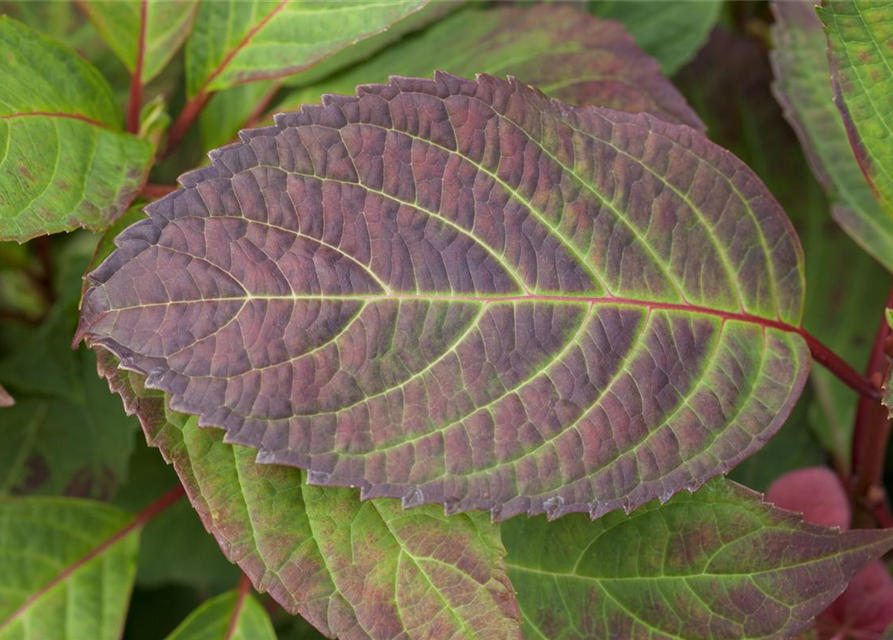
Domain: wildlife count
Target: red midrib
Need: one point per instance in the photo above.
(55, 114)
(242, 592)
(242, 44)
(141, 519)
(670, 306)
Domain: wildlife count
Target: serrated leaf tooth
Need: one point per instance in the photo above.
(319, 478)
(414, 497)
(554, 507)
(265, 456)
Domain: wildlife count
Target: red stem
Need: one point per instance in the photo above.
(871, 434)
(244, 589)
(838, 366)
(185, 120)
(136, 80)
(141, 519)
(195, 105)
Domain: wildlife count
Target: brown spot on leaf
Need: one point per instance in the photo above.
(87, 483)
(36, 475)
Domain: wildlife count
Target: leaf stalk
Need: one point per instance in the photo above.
(871, 434)
(136, 79)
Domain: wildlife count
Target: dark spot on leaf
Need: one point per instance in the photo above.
(36, 475)
(87, 483)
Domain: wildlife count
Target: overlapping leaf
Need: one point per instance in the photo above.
(562, 51)
(66, 163)
(231, 616)
(461, 292)
(859, 33)
(717, 565)
(670, 30)
(354, 570)
(231, 109)
(803, 88)
(865, 608)
(237, 42)
(164, 30)
(68, 568)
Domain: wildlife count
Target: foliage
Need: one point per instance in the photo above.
(460, 328)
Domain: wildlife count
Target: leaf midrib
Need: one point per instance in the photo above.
(497, 299)
(55, 114)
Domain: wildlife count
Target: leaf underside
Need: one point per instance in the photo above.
(355, 570)
(66, 163)
(462, 292)
(718, 565)
(859, 34)
(802, 87)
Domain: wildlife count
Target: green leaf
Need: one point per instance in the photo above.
(670, 30)
(803, 88)
(232, 615)
(66, 163)
(68, 568)
(719, 564)
(237, 42)
(564, 52)
(349, 567)
(229, 110)
(859, 33)
(514, 304)
(166, 25)
(242, 106)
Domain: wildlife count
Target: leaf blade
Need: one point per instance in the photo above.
(560, 303)
(568, 54)
(671, 31)
(802, 86)
(167, 26)
(632, 576)
(64, 530)
(861, 67)
(319, 551)
(274, 39)
(229, 616)
(66, 163)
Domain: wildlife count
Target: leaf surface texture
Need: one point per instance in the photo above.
(65, 163)
(65, 574)
(719, 564)
(462, 292)
(802, 86)
(859, 34)
(355, 570)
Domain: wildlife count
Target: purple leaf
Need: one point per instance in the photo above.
(462, 292)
